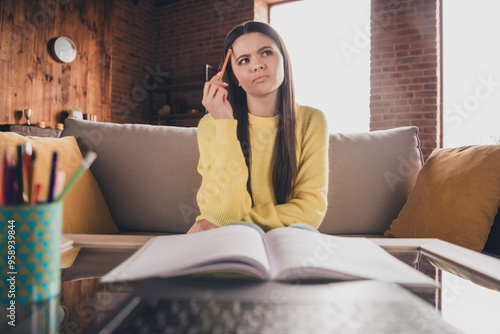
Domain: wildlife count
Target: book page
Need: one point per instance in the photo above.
(233, 248)
(299, 254)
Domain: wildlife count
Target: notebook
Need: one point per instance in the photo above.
(282, 254)
(191, 305)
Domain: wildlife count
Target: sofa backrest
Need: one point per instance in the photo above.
(148, 175)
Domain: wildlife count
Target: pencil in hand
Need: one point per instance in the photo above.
(225, 64)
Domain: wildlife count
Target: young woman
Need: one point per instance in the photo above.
(263, 159)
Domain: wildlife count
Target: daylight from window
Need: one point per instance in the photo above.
(483, 305)
(329, 46)
(471, 72)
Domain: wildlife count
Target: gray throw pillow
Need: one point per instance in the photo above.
(371, 175)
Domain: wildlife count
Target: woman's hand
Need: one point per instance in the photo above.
(215, 98)
(201, 225)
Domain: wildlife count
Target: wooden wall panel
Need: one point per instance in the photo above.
(4, 89)
(124, 49)
(32, 78)
(6, 30)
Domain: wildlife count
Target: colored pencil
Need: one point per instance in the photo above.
(3, 177)
(59, 185)
(36, 193)
(32, 177)
(52, 183)
(20, 174)
(26, 171)
(10, 172)
(84, 165)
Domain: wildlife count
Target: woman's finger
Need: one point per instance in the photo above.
(211, 90)
(211, 86)
(201, 225)
(215, 98)
(216, 77)
(220, 94)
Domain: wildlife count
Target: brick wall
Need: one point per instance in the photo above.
(405, 68)
(151, 40)
(191, 34)
(180, 38)
(134, 46)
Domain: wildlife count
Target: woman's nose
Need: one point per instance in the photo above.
(257, 67)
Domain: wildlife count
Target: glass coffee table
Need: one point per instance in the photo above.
(468, 297)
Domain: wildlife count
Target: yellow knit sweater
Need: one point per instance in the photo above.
(223, 197)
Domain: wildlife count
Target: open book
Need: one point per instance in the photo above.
(283, 254)
(66, 244)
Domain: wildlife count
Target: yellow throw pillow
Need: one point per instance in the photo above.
(85, 210)
(455, 198)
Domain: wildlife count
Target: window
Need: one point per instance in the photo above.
(329, 46)
(471, 72)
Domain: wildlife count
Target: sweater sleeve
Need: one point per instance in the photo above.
(223, 197)
(308, 202)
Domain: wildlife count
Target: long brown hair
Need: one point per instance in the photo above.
(285, 167)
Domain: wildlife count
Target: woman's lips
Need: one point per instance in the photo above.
(260, 78)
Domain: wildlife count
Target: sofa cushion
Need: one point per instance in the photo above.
(371, 175)
(455, 198)
(85, 210)
(149, 179)
(146, 173)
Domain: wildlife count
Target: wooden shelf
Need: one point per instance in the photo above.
(180, 87)
(174, 117)
(30, 130)
(166, 90)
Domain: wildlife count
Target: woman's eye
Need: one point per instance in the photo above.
(267, 53)
(243, 61)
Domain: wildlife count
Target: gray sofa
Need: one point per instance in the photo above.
(148, 175)
(149, 180)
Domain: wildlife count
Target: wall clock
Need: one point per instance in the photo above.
(64, 50)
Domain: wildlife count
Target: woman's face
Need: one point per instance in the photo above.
(257, 64)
